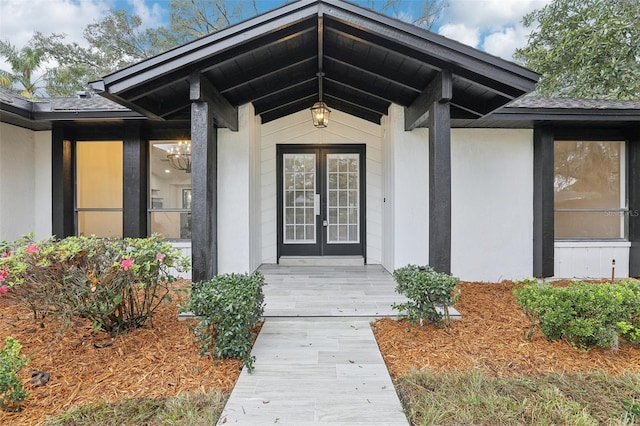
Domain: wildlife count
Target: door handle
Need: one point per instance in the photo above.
(325, 223)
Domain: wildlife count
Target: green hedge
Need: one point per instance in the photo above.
(228, 308)
(430, 294)
(585, 314)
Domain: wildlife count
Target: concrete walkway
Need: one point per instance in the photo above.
(317, 361)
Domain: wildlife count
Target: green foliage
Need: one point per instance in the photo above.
(24, 63)
(11, 391)
(115, 283)
(188, 409)
(477, 398)
(585, 48)
(584, 314)
(428, 292)
(228, 308)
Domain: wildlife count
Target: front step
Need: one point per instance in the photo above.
(321, 261)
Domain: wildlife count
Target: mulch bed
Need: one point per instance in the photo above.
(490, 337)
(152, 362)
(165, 360)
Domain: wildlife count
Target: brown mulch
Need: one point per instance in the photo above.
(151, 362)
(165, 360)
(491, 337)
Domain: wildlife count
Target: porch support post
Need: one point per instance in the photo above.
(204, 185)
(62, 158)
(135, 180)
(543, 222)
(433, 105)
(634, 204)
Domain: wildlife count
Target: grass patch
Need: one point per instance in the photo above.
(198, 409)
(474, 398)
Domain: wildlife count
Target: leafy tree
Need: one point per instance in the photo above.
(191, 19)
(585, 48)
(116, 41)
(24, 64)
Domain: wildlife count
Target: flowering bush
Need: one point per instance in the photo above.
(115, 283)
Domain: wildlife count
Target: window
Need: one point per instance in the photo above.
(589, 190)
(99, 189)
(170, 196)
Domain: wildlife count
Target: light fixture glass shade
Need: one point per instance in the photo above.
(179, 156)
(320, 114)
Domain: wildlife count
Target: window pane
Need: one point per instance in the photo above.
(171, 225)
(588, 175)
(99, 175)
(589, 225)
(100, 224)
(170, 188)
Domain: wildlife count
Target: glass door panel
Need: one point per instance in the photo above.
(299, 198)
(343, 193)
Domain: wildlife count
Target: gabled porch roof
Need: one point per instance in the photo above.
(273, 60)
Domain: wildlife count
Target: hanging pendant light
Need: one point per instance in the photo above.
(320, 114)
(320, 111)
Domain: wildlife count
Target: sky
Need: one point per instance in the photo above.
(490, 25)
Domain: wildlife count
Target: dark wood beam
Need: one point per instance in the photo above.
(543, 201)
(201, 90)
(440, 90)
(62, 184)
(204, 187)
(633, 166)
(440, 186)
(134, 182)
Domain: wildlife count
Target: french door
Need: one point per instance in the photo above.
(321, 200)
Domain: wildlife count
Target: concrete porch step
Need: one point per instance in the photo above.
(321, 260)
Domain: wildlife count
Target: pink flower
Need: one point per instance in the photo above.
(32, 248)
(160, 257)
(126, 264)
(4, 273)
(7, 254)
(4, 289)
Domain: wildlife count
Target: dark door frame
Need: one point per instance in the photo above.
(321, 248)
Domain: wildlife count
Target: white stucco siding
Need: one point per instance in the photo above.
(343, 129)
(43, 185)
(492, 211)
(17, 184)
(234, 195)
(409, 191)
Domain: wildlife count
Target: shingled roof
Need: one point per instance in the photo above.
(572, 103)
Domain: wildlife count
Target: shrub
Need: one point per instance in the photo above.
(11, 391)
(430, 294)
(585, 314)
(228, 308)
(115, 283)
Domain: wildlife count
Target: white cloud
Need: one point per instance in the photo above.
(462, 33)
(497, 23)
(151, 16)
(504, 42)
(490, 13)
(20, 19)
